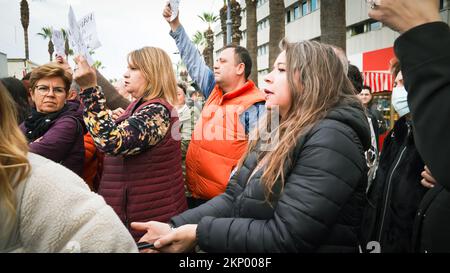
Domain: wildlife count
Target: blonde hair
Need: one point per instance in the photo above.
(14, 165)
(50, 70)
(317, 84)
(156, 66)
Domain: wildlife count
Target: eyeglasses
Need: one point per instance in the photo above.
(44, 90)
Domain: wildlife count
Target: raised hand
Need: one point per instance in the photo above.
(63, 62)
(402, 15)
(167, 13)
(84, 75)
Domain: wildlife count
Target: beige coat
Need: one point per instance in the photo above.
(58, 213)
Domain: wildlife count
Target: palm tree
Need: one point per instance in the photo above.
(47, 34)
(332, 23)
(252, 40)
(236, 22)
(235, 10)
(198, 39)
(25, 19)
(67, 49)
(223, 22)
(277, 28)
(208, 51)
(98, 65)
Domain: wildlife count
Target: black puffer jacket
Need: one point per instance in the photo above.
(320, 208)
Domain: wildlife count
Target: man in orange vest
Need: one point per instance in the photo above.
(233, 106)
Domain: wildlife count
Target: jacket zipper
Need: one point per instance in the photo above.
(125, 208)
(388, 193)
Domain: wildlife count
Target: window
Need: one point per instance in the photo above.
(357, 29)
(264, 23)
(375, 26)
(366, 26)
(263, 73)
(313, 5)
(296, 12)
(304, 8)
(288, 17)
(260, 3)
(262, 50)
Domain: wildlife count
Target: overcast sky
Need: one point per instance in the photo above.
(122, 26)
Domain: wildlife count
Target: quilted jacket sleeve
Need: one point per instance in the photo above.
(327, 171)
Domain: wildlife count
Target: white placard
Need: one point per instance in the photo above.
(58, 42)
(88, 31)
(174, 4)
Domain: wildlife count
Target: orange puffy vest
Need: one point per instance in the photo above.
(93, 161)
(218, 140)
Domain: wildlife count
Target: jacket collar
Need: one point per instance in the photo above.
(249, 85)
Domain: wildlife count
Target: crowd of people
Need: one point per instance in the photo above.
(224, 166)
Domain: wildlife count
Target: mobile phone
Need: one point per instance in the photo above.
(145, 245)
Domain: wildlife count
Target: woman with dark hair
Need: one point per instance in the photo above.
(18, 91)
(396, 192)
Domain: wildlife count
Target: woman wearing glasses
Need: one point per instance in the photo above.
(55, 127)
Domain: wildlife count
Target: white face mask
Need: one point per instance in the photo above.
(399, 100)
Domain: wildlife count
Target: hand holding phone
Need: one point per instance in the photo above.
(145, 245)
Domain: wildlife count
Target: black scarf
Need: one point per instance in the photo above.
(37, 123)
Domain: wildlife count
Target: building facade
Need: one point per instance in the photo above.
(18, 68)
(369, 44)
(3, 65)
(302, 18)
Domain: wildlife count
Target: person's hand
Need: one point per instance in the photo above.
(403, 15)
(428, 180)
(84, 75)
(63, 62)
(167, 13)
(117, 113)
(181, 239)
(154, 231)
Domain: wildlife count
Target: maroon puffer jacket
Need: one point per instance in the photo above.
(147, 186)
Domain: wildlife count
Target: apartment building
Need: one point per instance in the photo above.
(369, 43)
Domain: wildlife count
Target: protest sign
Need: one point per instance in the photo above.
(58, 42)
(174, 5)
(88, 31)
(76, 39)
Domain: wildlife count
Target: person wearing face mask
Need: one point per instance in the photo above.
(396, 192)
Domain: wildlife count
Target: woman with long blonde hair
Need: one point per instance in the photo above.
(305, 194)
(14, 165)
(142, 175)
(39, 200)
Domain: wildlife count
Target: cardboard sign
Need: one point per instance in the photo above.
(174, 5)
(88, 30)
(76, 38)
(58, 42)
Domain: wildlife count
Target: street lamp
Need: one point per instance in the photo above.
(228, 23)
